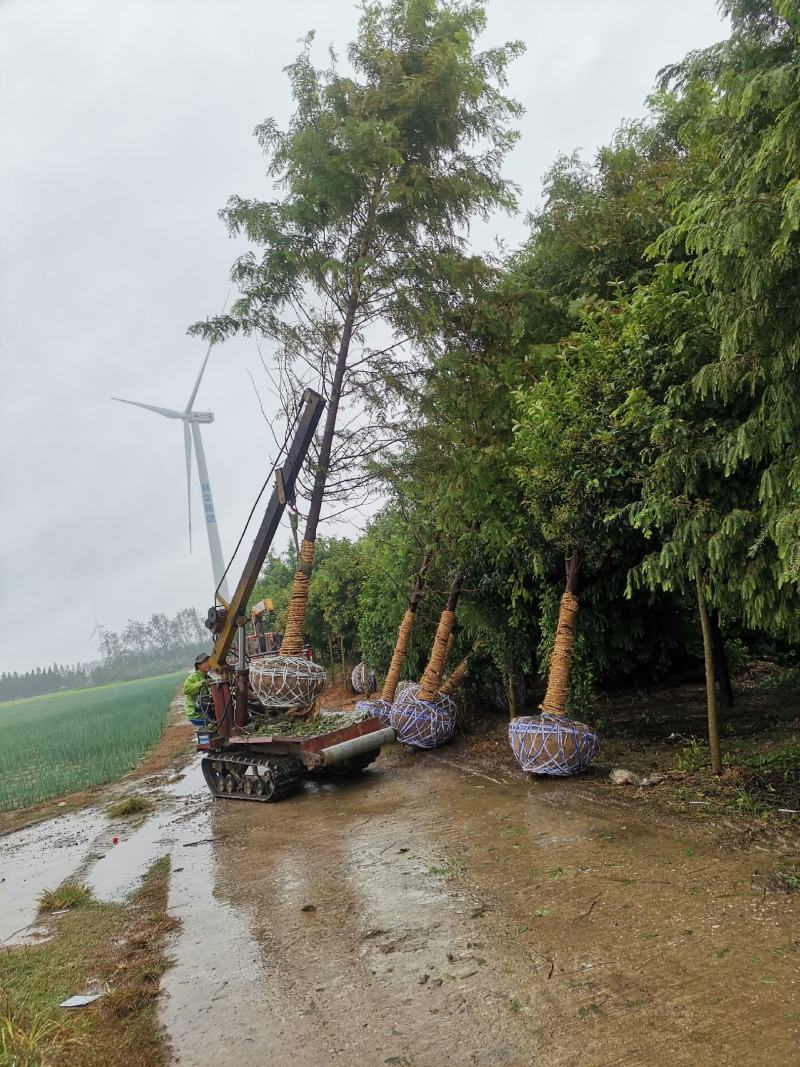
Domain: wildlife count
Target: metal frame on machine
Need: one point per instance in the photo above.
(225, 623)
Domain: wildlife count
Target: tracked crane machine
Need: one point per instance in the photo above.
(238, 764)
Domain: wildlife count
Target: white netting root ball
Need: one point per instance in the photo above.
(361, 677)
(286, 681)
(423, 723)
(552, 744)
(375, 709)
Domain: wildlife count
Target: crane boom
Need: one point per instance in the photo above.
(224, 623)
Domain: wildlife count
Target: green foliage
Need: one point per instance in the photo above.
(67, 742)
(735, 240)
(692, 757)
(624, 384)
(379, 173)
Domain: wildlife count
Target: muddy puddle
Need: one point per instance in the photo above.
(37, 859)
(81, 845)
(421, 917)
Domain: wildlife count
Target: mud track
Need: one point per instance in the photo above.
(423, 917)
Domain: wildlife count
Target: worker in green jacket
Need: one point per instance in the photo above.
(199, 706)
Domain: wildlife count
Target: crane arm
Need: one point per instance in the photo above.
(223, 623)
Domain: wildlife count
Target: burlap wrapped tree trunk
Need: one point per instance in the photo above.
(293, 635)
(424, 716)
(557, 695)
(552, 743)
(383, 704)
(456, 678)
(432, 678)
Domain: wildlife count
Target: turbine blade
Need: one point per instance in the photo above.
(91, 635)
(199, 378)
(167, 412)
(208, 353)
(187, 447)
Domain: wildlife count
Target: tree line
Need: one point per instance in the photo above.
(619, 393)
(140, 649)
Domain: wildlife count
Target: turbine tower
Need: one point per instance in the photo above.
(191, 435)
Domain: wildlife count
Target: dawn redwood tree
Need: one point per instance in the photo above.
(379, 173)
(736, 237)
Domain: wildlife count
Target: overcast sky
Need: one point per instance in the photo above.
(124, 127)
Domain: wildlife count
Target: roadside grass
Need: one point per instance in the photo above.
(68, 895)
(135, 804)
(28, 1041)
(67, 742)
(119, 946)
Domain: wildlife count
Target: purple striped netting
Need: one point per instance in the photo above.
(375, 708)
(423, 723)
(552, 744)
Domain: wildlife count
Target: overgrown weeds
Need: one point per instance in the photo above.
(135, 804)
(68, 895)
(692, 757)
(30, 1040)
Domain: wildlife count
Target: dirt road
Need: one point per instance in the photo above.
(424, 917)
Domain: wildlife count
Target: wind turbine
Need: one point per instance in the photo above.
(191, 434)
(98, 629)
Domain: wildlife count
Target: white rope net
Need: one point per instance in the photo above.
(362, 677)
(286, 681)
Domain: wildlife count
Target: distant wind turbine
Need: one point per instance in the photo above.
(191, 433)
(98, 629)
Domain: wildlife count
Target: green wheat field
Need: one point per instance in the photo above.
(63, 742)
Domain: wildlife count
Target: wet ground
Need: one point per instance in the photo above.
(421, 916)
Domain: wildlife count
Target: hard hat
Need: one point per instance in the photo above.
(201, 658)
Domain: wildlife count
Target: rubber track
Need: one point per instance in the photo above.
(287, 773)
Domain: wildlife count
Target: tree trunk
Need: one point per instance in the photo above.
(432, 678)
(721, 671)
(404, 634)
(344, 661)
(330, 654)
(456, 678)
(511, 695)
(555, 699)
(711, 694)
(451, 640)
(293, 637)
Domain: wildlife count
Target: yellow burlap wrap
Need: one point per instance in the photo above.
(555, 700)
(296, 616)
(456, 678)
(398, 656)
(432, 678)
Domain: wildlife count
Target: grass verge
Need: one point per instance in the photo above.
(97, 945)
